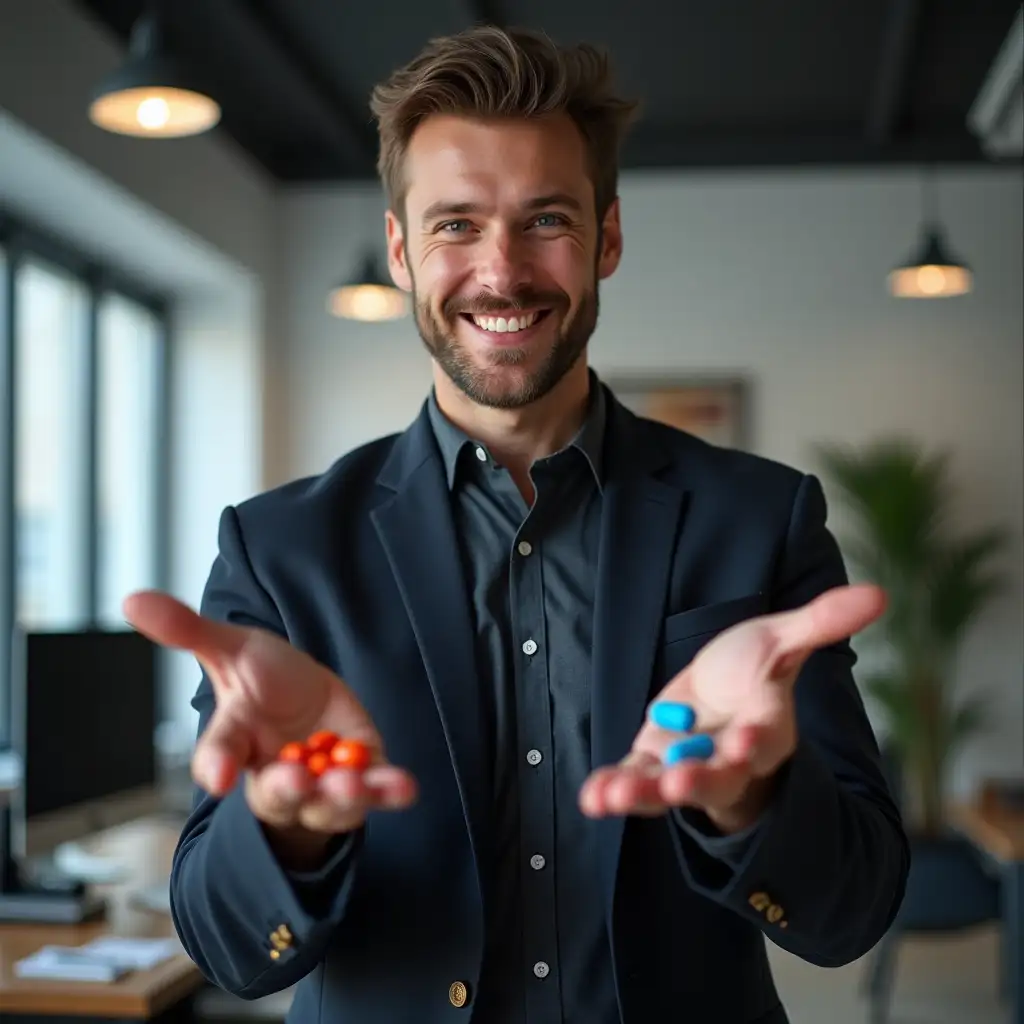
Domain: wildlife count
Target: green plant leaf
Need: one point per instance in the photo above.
(895, 700)
(937, 580)
(971, 716)
(963, 583)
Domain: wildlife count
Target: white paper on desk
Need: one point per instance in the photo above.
(132, 954)
(68, 963)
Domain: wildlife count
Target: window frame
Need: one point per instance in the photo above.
(20, 239)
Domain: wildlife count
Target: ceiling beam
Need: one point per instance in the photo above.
(483, 12)
(889, 95)
(349, 141)
(657, 146)
(670, 148)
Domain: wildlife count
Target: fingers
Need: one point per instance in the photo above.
(830, 618)
(652, 789)
(630, 787)
(285, 795)
(276, 793)
(171, 623)
(676, 769)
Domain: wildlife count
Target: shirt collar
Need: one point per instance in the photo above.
(452, 440)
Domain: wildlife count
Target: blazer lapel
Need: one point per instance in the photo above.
(639, 529)
(417, 530)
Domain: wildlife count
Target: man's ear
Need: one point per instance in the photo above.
(611, 242)
(397, 260)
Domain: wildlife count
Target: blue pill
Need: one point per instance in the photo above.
(693, 748)
(676, 717)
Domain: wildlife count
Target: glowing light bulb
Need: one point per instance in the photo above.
(153, 113)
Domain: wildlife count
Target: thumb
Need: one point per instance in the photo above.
(833, 616)
(169, 622)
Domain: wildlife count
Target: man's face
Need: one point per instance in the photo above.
(501, 251)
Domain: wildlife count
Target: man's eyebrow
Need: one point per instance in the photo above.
(447, 208)
(555, 199)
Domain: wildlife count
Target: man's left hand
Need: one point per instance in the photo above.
(720, 730)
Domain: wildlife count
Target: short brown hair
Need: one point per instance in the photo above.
(491, 72)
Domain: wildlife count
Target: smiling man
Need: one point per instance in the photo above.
(603, 667)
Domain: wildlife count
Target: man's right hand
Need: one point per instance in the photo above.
(267, 694)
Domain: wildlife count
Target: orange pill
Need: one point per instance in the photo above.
(351, 754)
(294, 753)
(318, 763)
(322, 741)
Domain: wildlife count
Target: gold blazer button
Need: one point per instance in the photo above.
(458, 993)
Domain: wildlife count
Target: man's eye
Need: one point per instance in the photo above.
(454, 227)
(549, 220)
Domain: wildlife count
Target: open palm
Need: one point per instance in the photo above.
(723, 726)
(269, 693)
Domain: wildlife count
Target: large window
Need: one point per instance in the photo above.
(128, 452)
(82, 452)
(50, 447)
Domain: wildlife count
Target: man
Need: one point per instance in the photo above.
(603, 666)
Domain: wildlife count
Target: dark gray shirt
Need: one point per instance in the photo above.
(531, 575)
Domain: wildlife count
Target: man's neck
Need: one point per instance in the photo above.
(518, 437)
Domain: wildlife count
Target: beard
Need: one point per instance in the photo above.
(499, 385)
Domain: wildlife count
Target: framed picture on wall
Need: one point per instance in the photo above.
(715, 408)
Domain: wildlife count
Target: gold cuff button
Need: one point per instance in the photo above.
(458, 994)
(760, 901)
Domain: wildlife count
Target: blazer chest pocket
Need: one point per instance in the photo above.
(685, 633)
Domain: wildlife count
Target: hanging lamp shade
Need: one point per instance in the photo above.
(368, 296)
(932, 272)
(151, 95)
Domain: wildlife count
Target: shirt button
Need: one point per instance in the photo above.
(525, 548)
(541, 969)
(481, 454)
(530, 647)
(537, 862)
(534, 756)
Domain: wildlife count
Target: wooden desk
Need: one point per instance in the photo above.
(997, 830)
(162, 994)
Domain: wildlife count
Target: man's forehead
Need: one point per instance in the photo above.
(512, 162)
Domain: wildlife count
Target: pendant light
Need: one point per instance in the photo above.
(932, 272)
(368, 296)
(151, 95)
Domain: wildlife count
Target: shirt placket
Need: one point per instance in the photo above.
(536, 768)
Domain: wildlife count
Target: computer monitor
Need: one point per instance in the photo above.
(85, 707)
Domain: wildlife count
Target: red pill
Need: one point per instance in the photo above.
(351, 754)
(322, 741)
(294, 753)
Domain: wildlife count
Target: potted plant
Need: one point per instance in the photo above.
(938, 582)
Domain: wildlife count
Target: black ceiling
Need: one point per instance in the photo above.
(725, 83)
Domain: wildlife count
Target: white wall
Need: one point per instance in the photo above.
(191, 218)
(779, 276)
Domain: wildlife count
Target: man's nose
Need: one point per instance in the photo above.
(504, 265)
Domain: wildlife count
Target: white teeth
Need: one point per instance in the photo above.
(503, 325)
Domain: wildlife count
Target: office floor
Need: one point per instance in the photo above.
(938, 981)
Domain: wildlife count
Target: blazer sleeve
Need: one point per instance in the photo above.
(824, 871)
(250, 926)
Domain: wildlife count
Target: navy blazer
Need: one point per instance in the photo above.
(359, 567)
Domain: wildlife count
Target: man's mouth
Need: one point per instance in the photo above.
(509, 323)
